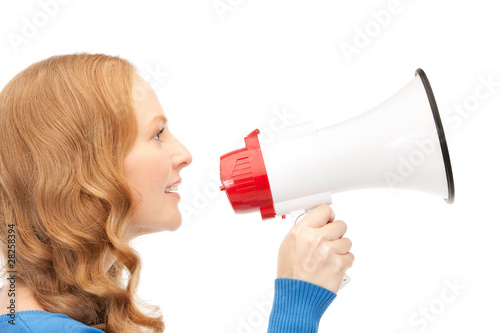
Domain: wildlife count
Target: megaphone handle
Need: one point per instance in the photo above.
(298, 215)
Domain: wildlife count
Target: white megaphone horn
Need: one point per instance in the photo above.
(398, 144)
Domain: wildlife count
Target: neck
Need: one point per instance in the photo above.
(21, 296)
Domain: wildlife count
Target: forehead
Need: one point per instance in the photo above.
(146, 102)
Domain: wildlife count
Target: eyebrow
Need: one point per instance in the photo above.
(158, 117)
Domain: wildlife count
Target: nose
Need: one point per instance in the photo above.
(188, 159)
(183, 155)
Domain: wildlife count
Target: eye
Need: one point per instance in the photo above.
(157, 135)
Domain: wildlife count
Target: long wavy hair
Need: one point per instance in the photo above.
(66, 125)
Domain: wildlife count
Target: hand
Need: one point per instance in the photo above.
(315, 251)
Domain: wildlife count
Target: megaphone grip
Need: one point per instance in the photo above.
(299, 215)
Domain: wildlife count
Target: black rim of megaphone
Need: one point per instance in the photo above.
(440, 131)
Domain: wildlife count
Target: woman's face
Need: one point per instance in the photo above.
(152, 166)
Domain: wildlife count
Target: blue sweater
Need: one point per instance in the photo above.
(297, 307)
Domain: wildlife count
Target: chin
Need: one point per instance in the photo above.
(177, 222)
(175, 227)
(174, 222)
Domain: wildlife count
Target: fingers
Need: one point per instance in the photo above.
(341, 246)
(348, 259)
(334, 230)
(319, 216)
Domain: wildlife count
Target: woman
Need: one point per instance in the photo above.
(86, 164)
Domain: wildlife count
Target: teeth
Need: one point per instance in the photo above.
(171, 189)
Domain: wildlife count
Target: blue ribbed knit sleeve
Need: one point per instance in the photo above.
(298, 306)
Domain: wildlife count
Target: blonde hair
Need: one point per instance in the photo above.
(67, 123)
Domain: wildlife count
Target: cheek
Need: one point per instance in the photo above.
(147, 170)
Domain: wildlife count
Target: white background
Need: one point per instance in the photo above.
(225, 73)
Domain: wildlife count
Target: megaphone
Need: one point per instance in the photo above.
(399, 144)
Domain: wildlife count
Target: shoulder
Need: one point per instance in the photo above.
(35, 321)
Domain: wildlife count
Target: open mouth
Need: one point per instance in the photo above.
(172, 189)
